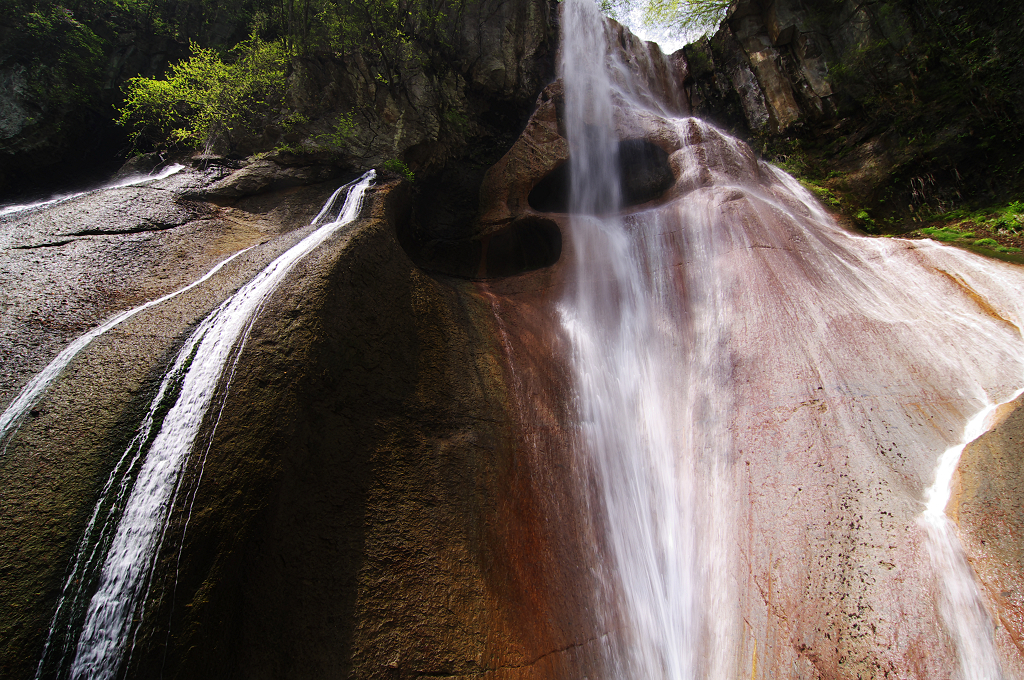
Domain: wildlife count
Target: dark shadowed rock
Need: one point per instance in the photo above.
(262, 175)
(644, 171)
(77, 264)
(375, 503)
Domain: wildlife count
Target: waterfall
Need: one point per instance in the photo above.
(127, 527)
(763, 398)
(622, 341)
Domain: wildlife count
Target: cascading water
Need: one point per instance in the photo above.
(762, 398)
(621, 350)
(128, 524)
(962, 606)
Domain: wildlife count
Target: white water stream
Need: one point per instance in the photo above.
(138, 505)
(763, 398)
(16, 410)
(962, 606)
(623, 424)
(126, 182)
(749, 378)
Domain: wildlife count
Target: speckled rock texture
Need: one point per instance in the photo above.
(387, 493)
(830, 413)
(392, 488)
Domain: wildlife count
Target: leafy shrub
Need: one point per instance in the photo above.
(68, 56)
(204, 96)
(865, 218)
(680, 17)
(339, 134)
(294, 120)
(1006, 223)
(398, 167)
(824, 194)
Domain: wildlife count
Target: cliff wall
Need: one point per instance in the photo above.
(896, 108)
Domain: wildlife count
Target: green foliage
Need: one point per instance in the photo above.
(339, 134)
(795, 163)
(399, 168)
(1006, 219)
(1007, 223)
(458, 120)
(293, 120)
(68, 57)
(389, 31)
(946, 234)
(865, 219)
(689, 15)
(204, 95)
(935, 64)
(993, 244)
(824, 194)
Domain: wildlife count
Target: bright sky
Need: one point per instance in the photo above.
(668, 43)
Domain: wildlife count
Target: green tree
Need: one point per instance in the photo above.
(204, 95)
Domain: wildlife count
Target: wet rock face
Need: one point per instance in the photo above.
(830, 573)
(767, 68)
(525, 245)
(69, 267)
(516, 229)
(450, 240)
(373, 504)
(643, 167)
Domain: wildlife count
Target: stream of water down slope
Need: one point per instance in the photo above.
(736, 354)
(127, 527)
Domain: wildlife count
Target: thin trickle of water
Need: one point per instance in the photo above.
(127, 182)
(15, 412)
(961, 602)
(128, 524)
